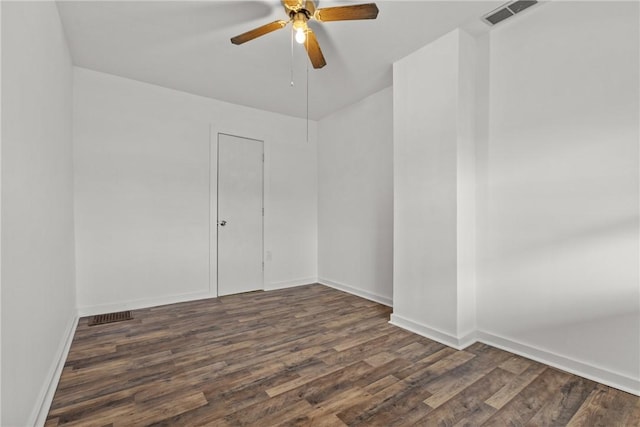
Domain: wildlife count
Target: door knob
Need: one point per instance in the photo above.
(222, 223)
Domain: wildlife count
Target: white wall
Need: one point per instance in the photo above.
(559, 248)
(425, 135)
(434, 192)
(468, 53)
(0, 217)
(141, 157)
(38, 297)
(355, 198)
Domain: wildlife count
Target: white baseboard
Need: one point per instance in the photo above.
(41, 409)
(604, 376)
(356, 291)
(459, 343)
(290, 283)
(594, 373)
(142, 303)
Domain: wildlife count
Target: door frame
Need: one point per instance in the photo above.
(213, 204)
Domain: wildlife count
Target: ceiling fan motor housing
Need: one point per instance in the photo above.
(300, 14)
(300, 19)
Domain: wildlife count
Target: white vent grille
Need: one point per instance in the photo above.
(507, 11)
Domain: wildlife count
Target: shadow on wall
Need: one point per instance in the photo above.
(573, 294)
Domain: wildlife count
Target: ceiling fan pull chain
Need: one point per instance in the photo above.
(291, 56)
(307, 101)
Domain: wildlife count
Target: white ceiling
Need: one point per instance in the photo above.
(185, 46)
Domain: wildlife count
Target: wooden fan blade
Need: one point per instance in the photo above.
(292, 5)
(257, 32)
(310, 5)
(347, 13)
(313, 50)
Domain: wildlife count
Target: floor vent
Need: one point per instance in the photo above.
(507, 11)
(101, 319)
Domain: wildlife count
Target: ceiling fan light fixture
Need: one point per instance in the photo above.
(300, 26)
(300, 35)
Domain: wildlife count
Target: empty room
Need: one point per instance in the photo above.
(320, 213)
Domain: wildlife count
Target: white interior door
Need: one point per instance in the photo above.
(240, 213)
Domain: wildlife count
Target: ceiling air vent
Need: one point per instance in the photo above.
(507, 11)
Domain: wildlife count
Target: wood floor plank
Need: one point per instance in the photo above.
(561, 407)
(325, 411)
(395, 407)
(531, 399)
(302, 381)
(52, 422)
(450, 384)
(380, 384)
(467, 407)
(381, 358)
(604, 407)
(162, 408)
(360, 411)
(308, 356)
(516, 364)
(632, 414)
(380, 372)
(80, 409)
(425, 362)
(439, 367)
(513, 388)
(270, 411)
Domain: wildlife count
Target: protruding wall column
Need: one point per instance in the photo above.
(434, 191)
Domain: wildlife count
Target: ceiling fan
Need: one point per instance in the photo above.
(300, 12)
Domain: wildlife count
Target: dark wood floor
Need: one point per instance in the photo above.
(309, 356)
